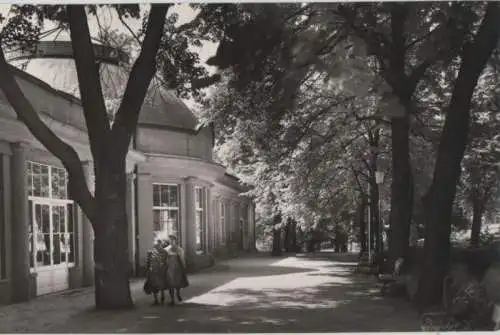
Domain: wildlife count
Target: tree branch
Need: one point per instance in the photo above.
(140, 77)
(361, 189)
(78, 190)
(94, 108)
(126, 25)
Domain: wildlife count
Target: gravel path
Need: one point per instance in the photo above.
(318, 293)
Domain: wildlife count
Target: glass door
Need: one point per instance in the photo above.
(51, 234)
(42, 237)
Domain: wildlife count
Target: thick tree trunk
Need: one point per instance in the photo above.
(375, 217)
(477, 222)
(112, 266)
(362, 227)
(401, 190)
(450, 153)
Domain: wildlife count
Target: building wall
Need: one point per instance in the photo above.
(164, 171)
(176, 142)
(184, 159)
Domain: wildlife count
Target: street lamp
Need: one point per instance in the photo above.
(379, 179)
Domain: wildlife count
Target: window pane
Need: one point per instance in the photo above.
(56, 255)
(45, 254)
(173, 196)
(199, 230)
(223, 230)
(63, 184)
(197, 197)
(55, 184)
(44, 219)
(173, 222)
(160, 224)
(37, 188)
(45, 181)
(36, 168)
(65, 247)
(156, 195)
(30, 230)
(29, 178)
(164, 195)
(56, 219)
(69, 208)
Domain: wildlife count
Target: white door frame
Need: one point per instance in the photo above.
(50, 203)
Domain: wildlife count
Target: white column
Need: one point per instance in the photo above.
(216, 216)
(130, 198)
(189, 224)
(209, 224)
(21, 280)
(145, 215)
(7, 218)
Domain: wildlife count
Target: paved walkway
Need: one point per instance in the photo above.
(250, 294)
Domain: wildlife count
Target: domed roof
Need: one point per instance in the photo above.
(160, 108)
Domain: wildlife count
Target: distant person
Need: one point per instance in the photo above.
(176, 270)
(156, 269)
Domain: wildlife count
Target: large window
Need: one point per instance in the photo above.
(222, 214)
(200, 219)
(166, 210)
(51, 228)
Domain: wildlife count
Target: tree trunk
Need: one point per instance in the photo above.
(293, 230)
(477, 221)
(276, 242)
(287, 235)
(375, 217)
(337, 239)
(362, 227)
(401, 190)
(112, 266)
(449, 156)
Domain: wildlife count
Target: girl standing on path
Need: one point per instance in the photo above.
(156, 267)
(176, 277)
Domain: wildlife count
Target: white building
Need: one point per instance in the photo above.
(174, 187)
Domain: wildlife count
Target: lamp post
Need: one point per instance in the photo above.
(379, 179)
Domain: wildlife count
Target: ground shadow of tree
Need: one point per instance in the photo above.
(336, 300)
(350, 303)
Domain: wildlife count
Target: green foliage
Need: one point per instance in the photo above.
(301, 93)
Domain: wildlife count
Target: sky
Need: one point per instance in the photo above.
(109, 19)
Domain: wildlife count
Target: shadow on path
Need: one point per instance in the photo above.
(306, 293)
(330, 299)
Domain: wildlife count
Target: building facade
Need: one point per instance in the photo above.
(174, 188)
